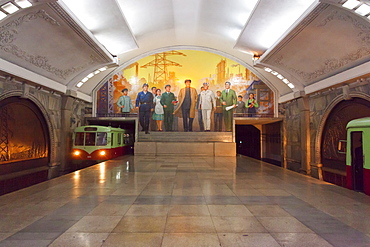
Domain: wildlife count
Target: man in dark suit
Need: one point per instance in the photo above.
(168, 101)
(144, 102)
(228, 98)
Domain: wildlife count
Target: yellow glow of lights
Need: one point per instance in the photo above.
(76, 152)
(102, 153)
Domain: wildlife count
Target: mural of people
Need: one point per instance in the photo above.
(187, 100)
(201, 66)
(228, 99)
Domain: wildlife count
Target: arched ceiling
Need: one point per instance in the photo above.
(58, 43)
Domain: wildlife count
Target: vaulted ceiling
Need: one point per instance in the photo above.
(313, 44)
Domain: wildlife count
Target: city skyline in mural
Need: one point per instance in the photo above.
(173, 67)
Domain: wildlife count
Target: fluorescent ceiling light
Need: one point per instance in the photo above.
(274, 73)
(10, 8)
(85, 79)
(23, 3)
(280, 76)
(286, 81)
(268, 69)
(350, 4)
(363, 10)
(2, 15)
(79, 84)
(97, 72)
(290, 85)
(90, 75)
(103, 69)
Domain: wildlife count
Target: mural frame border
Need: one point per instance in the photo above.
(180, 47)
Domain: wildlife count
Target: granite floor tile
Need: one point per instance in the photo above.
(95, 224)
(267, 210)
(188, 200)
(247, 240)
(152, 200)
(283, 225)
(189, 224)
(229, 210)
(134, 239)
(109, 209)
(149, 224)
(223, 200)
(190, 239)
(78, 239)
(237, 224)
(300, 239)
(188, 210)
(145, 210)
(25, 243)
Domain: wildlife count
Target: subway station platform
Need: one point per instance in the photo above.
(192, 201)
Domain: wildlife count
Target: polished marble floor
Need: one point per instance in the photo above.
(184, 201)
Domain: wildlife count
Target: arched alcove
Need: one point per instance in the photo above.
(333, 162)
(24, 143)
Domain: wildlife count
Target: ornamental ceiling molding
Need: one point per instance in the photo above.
(8, 35)
(332, 64)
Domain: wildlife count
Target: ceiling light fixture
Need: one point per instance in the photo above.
(79, 84)
(291, 85)
(2, 15)
(10, 8)
(23, 3)
(363, 10)
(268, 69)
(85, 79)
(351, 4)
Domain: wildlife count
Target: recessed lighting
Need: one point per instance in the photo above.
(10, 8)
(23, 3)
(286, 81)
(268, 69)
(290, 85)
(274, 73)
(2, 15)
(85, 79)
(90, 75)
(280, 76)
(363, 10)
(97, 72)
(79, 84)
(103, 69)
(350, 4)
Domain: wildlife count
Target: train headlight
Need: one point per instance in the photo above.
(102, 153)
(76, 152)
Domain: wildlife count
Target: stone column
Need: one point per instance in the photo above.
(66, 133)
(304, 112)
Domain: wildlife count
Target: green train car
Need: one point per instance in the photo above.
(101, 142)
(358, 155)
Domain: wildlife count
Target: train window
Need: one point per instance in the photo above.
(79, 139)
(101, 139)
(119, 138)
(90, 139)
(90, 129)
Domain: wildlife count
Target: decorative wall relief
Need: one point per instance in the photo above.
(9, 33)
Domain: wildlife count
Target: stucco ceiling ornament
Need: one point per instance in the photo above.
(8, 34)
(332, 64)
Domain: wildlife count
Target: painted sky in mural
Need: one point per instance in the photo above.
(173, 67)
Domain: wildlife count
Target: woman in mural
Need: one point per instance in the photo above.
(158, 110)
(252, 105)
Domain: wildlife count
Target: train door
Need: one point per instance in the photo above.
(357, 161)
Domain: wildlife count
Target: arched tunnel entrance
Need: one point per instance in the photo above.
(24, 144)
(334, 163)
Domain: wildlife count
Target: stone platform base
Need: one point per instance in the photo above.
(186, 148)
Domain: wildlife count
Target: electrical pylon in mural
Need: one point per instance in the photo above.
(160, 64)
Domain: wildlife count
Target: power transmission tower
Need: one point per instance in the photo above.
(160, 64)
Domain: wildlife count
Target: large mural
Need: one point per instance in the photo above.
(173, 67)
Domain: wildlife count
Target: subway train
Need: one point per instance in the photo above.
(357, 149)
(101, 142)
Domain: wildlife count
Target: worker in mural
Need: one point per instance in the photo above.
(228, 99)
